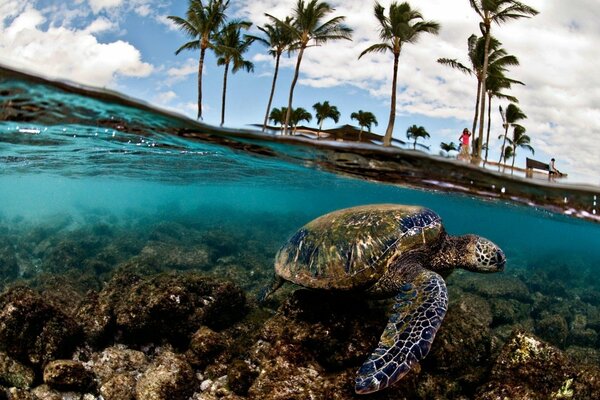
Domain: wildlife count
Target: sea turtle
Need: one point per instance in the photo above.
(386, 250)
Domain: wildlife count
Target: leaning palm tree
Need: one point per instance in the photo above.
(494, 11)
(277, 115)
(278, 40)
(507, 154)
(499, 60)
(510, 118)
(520, 139)
(402, 25)
(201, 23)
(495, 83)
(308, 26)
(414, 133)
(229, 48)
(365, 119)
(297, 115)
(324, 111)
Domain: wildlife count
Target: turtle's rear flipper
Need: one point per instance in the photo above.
(268, 290)
(418, 313)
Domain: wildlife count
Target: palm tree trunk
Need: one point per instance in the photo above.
(360, 134)
(503, 144)
(415, 144)
(272, 91)
(200, 67)
(387, 139)
(320, 127)
(291, 98)
(473, 151)
(512, 169)
(487, 139)
(477, 157)
(224, 94)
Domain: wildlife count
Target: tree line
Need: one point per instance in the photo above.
(311, 23)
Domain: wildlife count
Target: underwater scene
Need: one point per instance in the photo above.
(135, 245)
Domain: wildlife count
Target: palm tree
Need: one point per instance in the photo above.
(307, 26)
(520, 139)
(510, 118)
(324, 111)
(507, 154)
(403, 25)
(277, 115)
(499, 60)
(278, 40)
(229, 48)
(448, 147)
(494, 11)
(297, 115)
(201, 23)
(414, 133)
(495, 83)
(365, 119)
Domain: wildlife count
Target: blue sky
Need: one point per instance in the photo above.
(128, 45)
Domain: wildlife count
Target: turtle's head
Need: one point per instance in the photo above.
(469, 252)
(482, 255)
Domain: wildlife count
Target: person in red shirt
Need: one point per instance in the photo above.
(464, 147)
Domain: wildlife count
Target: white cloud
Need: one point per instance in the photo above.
(99, 5)
(68, 53)
(165, 97)
(556, 49)
(189, 67)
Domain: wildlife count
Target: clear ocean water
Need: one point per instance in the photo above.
(82, 173)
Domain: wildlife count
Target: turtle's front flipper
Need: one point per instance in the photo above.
(268, 290)
(418, 313)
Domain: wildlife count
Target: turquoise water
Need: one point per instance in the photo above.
(81, 174)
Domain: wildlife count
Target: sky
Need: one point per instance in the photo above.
(129, 46)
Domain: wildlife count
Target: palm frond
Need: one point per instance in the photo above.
(455, 64)
(377, 48)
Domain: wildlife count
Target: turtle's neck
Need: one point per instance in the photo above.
(452, 254)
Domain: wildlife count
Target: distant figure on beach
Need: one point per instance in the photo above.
(464, 148)
(552, 171)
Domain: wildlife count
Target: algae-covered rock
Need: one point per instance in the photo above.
(205, 345)
(21, 394)
(13, 373)
(173, 306)
(494, 286)
(554, 329)
(169, 377)
(463, 346)
(240, 377)
(118, 360)
(119, 387)
(68, 375)
(528, 368)
(33, 331)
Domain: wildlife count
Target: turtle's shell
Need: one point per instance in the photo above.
(352, 248)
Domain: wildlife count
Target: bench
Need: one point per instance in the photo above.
(531, 164)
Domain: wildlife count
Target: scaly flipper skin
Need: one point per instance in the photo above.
(418, 312)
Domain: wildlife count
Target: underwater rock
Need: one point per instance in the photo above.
(20, 394)
(95, 318)
(508, 311)
(494, 286)
(583, 337)
(240, 377)
(205, 345)
(172, 306)
(463, 346)
(118, 360)
(169, 377)
(528, 368)
(33, 331)
(119, 387)
(554, 329)
(45, 392)
(13, 373)
(9, 268)
(68, 375)
(171, 256)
